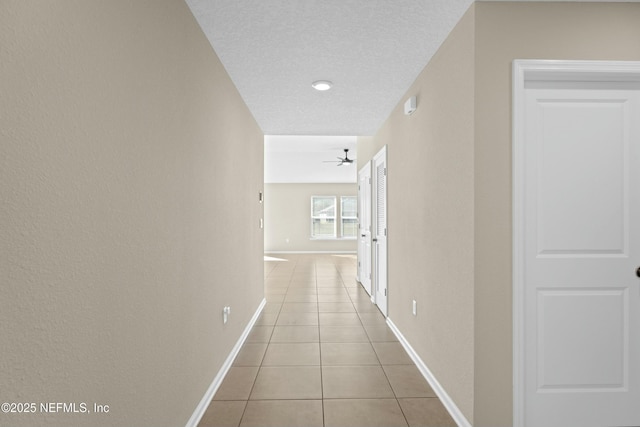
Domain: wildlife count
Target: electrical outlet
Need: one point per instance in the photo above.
(225, 314)
(415, 308)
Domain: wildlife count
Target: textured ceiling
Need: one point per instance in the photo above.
(372, 50)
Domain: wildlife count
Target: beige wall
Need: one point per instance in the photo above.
(287, 213)
(124, 229)
(450, 187)
(369, 149)
(504, 32)
(430, 201)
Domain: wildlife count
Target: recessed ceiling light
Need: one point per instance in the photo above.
(322, 85)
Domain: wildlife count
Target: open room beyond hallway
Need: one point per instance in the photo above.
(321, 354)
(137, 204)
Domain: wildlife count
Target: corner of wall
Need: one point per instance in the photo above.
(430, 211)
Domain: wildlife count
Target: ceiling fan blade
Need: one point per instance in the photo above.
(341, 160)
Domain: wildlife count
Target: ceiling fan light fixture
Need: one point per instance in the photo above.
(342, 161)
(322, 85)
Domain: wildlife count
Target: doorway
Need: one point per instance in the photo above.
(576, 219)
(379, 232)
(364, 227)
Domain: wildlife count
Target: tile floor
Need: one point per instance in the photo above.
(322, 355)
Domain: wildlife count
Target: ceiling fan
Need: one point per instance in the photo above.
(341, 161)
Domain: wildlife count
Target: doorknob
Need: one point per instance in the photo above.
(638, 272)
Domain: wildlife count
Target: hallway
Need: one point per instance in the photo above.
(322, 355)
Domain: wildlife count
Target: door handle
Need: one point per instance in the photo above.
(638, 272)
(375, 240)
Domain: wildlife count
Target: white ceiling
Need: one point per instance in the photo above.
(308, 159)
(372, 50)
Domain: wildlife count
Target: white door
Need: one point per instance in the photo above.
(578, 235)
(364, 227)
(380, 229)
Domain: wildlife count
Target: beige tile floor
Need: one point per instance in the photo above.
(322, 355)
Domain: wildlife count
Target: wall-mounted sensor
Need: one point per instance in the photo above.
(410, 106)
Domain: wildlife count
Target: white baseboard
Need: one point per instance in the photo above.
(217, 381)
(446, 400)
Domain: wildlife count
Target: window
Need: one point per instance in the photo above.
(323, 217)
(349, 216)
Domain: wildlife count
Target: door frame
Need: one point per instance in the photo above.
(363, 254)
(381, 156)
(525, 71)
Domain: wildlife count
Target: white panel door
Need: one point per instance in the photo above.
(380, 229)
(364, 227)
(581, 249)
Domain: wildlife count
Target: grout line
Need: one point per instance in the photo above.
(312, 269)
(246, 403)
